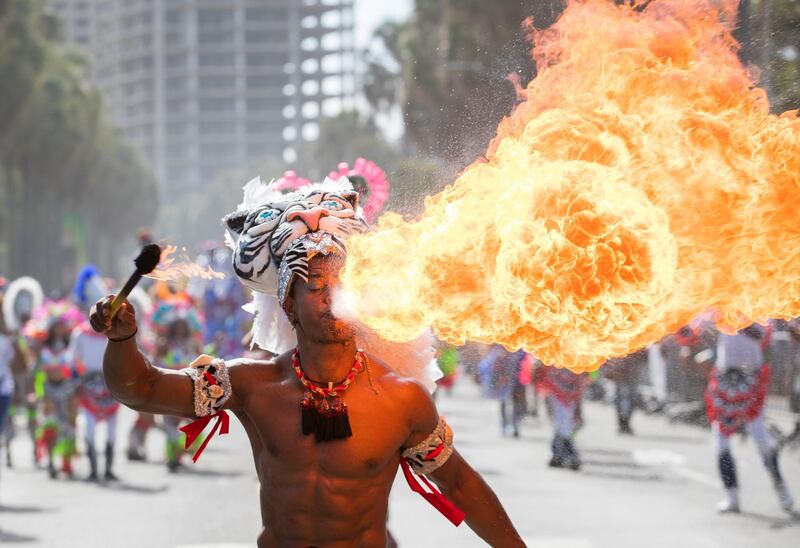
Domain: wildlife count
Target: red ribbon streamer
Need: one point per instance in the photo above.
(434, 453)
(435, 498)
(209, 377)
(195, 428)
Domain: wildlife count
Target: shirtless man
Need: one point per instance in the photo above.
(313, 493)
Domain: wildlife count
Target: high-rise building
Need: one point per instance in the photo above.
(202, 86)
(76, 21)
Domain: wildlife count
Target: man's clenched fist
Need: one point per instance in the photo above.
(122, 326)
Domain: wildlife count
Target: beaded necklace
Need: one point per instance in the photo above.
(323, 412)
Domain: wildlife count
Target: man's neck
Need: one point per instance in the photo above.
(324, 362)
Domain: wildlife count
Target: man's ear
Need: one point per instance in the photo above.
(288, 308)
(351, 196)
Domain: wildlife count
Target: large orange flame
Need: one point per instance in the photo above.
(640, 182)
(176, 266)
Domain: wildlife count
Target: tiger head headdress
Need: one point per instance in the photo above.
(274, 235)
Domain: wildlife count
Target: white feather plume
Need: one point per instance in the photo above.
(271, 329)
(257, 192)
(328, 185)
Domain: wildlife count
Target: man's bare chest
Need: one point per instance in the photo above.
(378, 433)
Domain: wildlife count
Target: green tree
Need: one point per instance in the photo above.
(70, 184)
(447, 65)
(19, 24)
(769, 31)
(197, 217)
(350, 135)
(454, 58)
(343, 138)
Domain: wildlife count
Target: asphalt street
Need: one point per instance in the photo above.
(656, 489)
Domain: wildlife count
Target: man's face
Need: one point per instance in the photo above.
(180, 330)
(59, 331)
(310, 302)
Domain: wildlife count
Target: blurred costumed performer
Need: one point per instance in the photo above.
(49, 332)
(447, 360)
(735, 398)
(500, 372)
(86, 350)
(222, 301)
(696, 348)
(18, 299)
(562, 390)
(324, 418)
(180, 331)
(626, 374)
(11, 361)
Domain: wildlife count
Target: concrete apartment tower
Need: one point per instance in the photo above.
(202, 86)
(76, 21)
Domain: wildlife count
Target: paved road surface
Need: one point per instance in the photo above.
(657, 489)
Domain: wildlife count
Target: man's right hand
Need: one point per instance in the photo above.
(123, 324)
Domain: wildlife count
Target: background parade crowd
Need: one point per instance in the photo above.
(427, 95)
(52, 389)
(53, 372)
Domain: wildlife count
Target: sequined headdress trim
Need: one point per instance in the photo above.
(300, 252)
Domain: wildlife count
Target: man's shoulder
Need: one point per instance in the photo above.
(255, 370)
(403, 389)
(408, 398)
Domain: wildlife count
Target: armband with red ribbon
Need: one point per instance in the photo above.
(426, 457)
(212, 388)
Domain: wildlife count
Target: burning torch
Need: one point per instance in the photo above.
(145, 263)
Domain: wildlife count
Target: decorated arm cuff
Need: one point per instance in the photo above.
(212, 385)
(433, 452)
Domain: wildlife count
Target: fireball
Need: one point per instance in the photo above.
(641, 181)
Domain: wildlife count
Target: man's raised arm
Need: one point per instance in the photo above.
(130, 377)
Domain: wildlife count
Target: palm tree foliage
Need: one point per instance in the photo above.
(446, 66)
(69, 183)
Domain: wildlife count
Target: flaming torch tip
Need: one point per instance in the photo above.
(148, 259)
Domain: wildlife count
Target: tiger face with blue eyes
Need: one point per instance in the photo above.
(263, 234)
